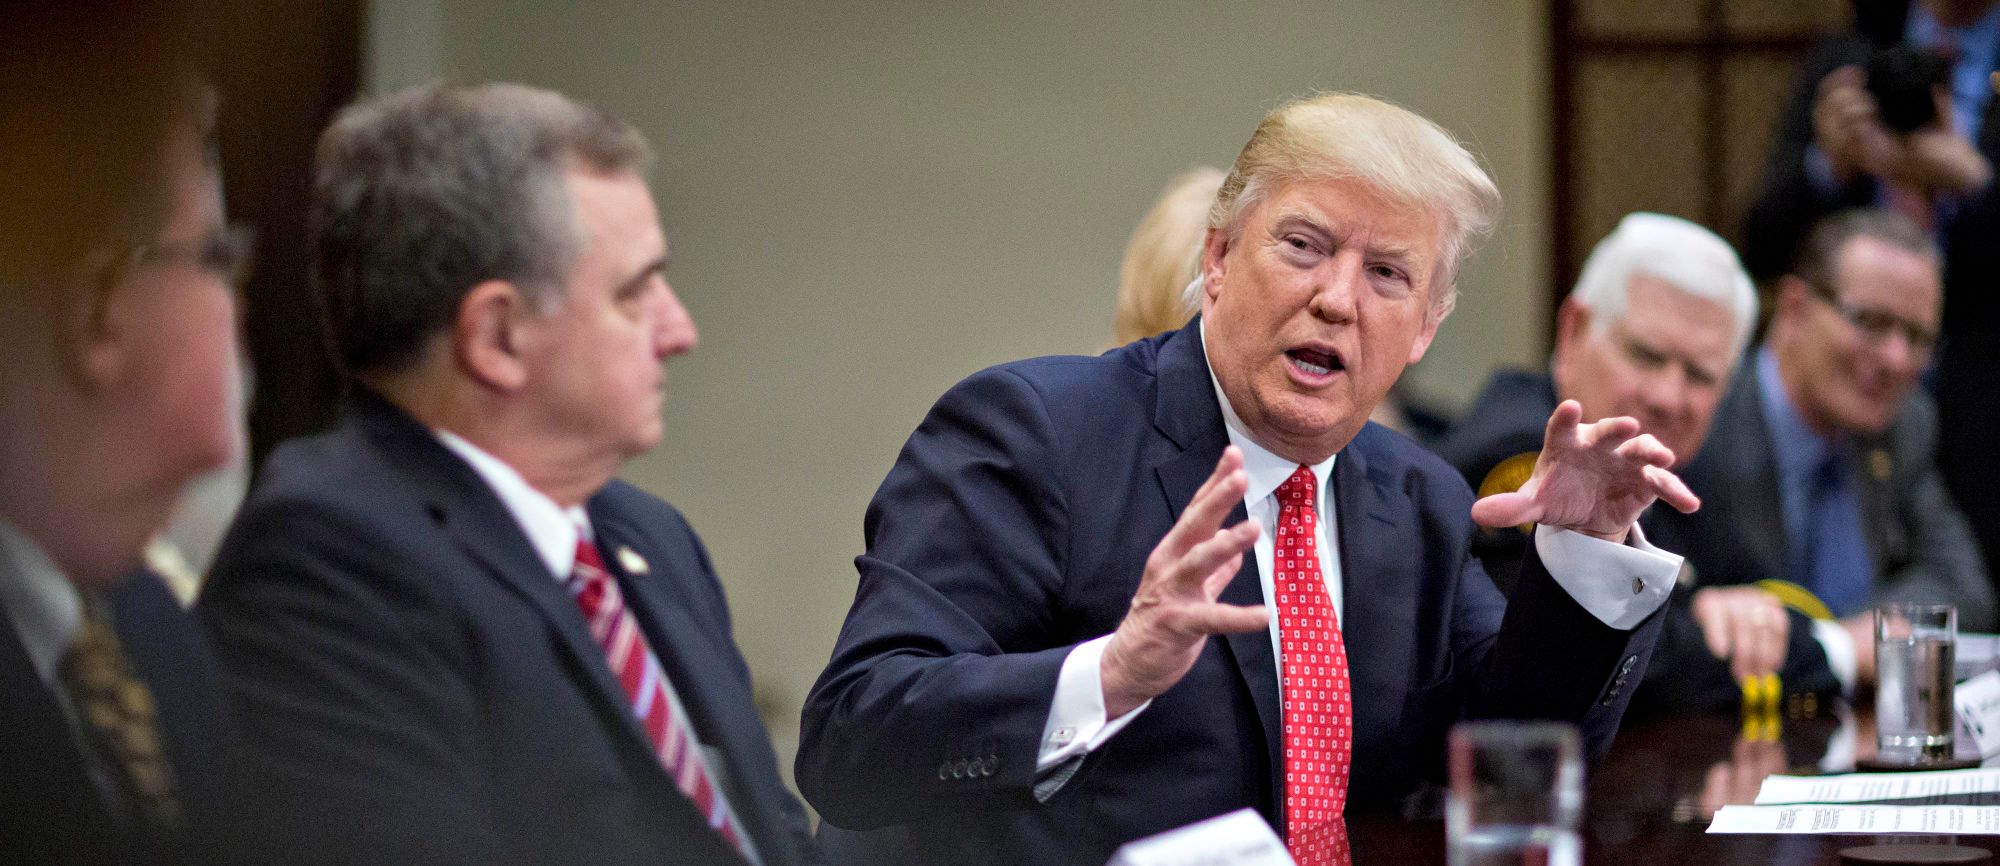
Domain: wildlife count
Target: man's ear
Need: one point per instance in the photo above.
(89, 324)
(1214, 249)
(1789, 298)
(486, 335)
(1572, 324)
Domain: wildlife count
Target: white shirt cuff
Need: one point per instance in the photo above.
(1076, 719)
(1839, 647)
(1620, 584)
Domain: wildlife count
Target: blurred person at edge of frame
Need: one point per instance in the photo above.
(118, 384)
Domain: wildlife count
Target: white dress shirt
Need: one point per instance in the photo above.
(1619, 584)
(42, 603)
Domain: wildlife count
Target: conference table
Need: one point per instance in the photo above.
(1650, 799)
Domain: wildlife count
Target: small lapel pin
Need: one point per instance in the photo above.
(631, 561)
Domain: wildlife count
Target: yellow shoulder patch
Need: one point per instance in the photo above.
(1510, 474)
(1508, 477)
(1796, 597)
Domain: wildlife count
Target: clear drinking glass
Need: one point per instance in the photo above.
(1516, 794)
(1914, 646)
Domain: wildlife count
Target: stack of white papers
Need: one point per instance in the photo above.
(1938, 801)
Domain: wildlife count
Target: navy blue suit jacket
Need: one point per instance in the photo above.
(50, 810)
(415, 687)
(1015, 525)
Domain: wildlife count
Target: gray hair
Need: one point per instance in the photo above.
(1410, 160)
(1691, 258)
(1819, 253)
(422, 194)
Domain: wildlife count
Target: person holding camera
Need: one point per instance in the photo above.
(1898, 114)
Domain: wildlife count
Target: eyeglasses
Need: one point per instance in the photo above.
(1875, 325)
(224, 253)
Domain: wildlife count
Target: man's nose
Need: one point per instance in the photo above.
(1336, 287)
(1665, 390)
(674, 333)
(1899, 353)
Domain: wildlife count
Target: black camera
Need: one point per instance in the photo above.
(1900, 78)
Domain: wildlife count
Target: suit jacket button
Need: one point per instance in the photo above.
(992, 764)
(944, 770)
(958, 769)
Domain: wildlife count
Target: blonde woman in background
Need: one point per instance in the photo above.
(1163, 257)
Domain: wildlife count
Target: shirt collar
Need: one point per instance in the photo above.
(552, 529)
(1798, 449)
(43, 604)
(1266, 470)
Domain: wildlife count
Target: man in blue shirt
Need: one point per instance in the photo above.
(1832, 151)
(1820, 468)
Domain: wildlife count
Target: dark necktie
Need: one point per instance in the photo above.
(116, 712)
(1835, 552)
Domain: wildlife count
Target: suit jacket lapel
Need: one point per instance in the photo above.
(1187, 413)
(482, 526)
(39, 757)
(1379, 587)
(1871, 465)
(1737, 463)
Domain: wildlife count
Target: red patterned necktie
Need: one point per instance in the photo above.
(638, 671)
(1318, 702)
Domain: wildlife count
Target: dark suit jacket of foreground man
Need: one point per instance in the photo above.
(50, 809)
(415, 687)
(1014, 526)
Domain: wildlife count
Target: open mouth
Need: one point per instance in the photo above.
(1315, 363)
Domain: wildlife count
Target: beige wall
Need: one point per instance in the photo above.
(869, 200)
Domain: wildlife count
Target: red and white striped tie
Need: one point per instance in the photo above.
(1318, 700)
(638, 670)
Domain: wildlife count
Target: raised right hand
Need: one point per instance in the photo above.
(1175, 609)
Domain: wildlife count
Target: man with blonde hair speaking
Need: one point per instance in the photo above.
(1027, 675)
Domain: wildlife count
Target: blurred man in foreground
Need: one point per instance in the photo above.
(1026, 675)
(454, 637)
(1820, 476)
(118, 378)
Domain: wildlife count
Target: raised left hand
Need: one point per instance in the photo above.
(1591, 478)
